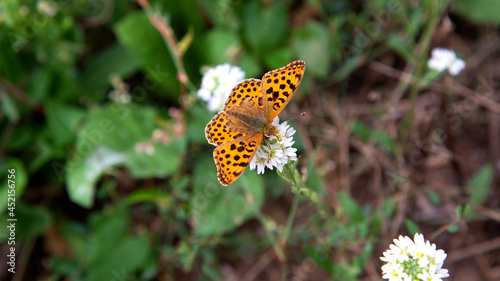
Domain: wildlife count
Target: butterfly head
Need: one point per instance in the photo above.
(270, 130)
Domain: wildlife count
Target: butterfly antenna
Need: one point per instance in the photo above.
(300, 115)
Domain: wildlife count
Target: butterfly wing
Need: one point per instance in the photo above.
(232, 158)
(250, 89)
(278, 87)
(219, 130)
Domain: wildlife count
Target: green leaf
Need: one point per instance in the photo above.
(9, 107)
(149, 195)
(112, 60)
(31, 221)
(350, 208)
(19, 180)
(401, 46)
(360, 130)
(385, 141)
(222, 46)
(453, 228)
(480, 11)
(434, 197)
(116, 256)
(320, 257)
(412, 227)
(480, 183)
(312, 44)
(108, 139)
(216, 209)
(264, 27)
(145, 44)
(62, 120)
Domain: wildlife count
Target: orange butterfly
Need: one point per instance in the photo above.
(238, 130)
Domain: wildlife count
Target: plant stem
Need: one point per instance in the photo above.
(271, 237)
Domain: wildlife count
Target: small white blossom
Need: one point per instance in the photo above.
(120, 93)
(275, 151)
(443, 59)
(217, 83)
(120, 97)
(413, 260)
(47, 8)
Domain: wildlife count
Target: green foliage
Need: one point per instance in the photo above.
(380, 137)
(479, 185)
(216, 209)
(479, 10)
(108, 139)
(412, 227)
(128, 190)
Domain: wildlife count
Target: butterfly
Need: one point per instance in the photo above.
(238, 130)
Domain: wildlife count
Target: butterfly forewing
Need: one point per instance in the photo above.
(219, 130)
(279, 85)
(250, 89)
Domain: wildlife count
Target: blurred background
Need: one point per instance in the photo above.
(103, 130)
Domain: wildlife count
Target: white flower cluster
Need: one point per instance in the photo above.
(277, 150)
(443, 59)
(217, 83)
(408, 260)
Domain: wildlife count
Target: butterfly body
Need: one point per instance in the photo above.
(247, 117)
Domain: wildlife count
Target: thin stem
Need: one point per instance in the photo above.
(165, 30)
(421, 62)
(271, 237)
(291, 217)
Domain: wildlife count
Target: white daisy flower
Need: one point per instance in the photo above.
(217, 83)
(275, 151)
(413, 260)
(443, 59)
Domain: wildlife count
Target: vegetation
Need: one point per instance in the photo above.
(114, 179)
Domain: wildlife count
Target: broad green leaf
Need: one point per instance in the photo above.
(113, 60)
(312, 44)
(250, 65)
(146, 45)
(62, 120)
(479, 185)
(217, 209)
(264, 28)
(108, 139)
(222, 46)
(31, 222)
(115, 254)
(480, 11)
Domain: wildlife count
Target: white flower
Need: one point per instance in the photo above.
(47, 8)
(275, 151)
(120, 97)
(217, 83)
(443, 59)
(413, 260)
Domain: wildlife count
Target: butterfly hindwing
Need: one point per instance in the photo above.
(234, 157)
